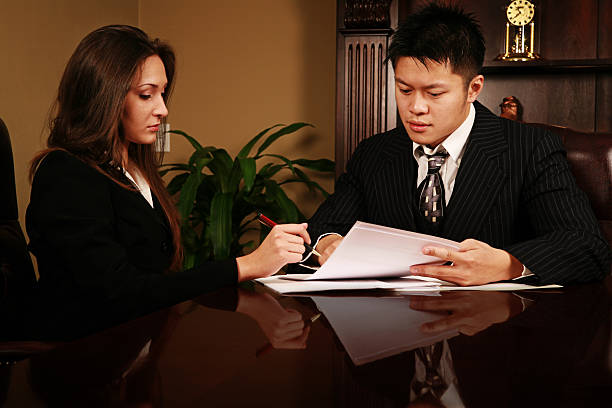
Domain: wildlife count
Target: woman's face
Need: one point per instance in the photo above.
(144, 103)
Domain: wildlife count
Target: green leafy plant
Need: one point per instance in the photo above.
(220, 196)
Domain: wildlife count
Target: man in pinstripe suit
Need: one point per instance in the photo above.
(508, 194)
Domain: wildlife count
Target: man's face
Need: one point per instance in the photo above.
(431, 99)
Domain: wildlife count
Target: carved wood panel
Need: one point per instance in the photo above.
(367, 104)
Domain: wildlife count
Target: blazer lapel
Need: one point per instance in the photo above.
(481, 174)
(159, 212)
(397, 182)
(156, 212)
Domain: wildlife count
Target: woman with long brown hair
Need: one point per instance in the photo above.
(100, 220)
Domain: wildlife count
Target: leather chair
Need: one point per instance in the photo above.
(16, 270)
(590, 157)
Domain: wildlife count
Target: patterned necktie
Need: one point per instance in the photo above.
(433, 383)
(431, 198)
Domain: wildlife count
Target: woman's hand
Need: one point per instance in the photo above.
(284, 244)
(284, 327)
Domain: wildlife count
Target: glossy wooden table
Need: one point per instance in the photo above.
(249, 347)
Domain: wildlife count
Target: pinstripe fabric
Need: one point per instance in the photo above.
(514, 190)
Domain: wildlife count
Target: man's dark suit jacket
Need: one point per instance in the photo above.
(91, 235)
(514, 191)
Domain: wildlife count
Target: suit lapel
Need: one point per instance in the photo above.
(142, 205)
(481, 173)
(398, 179)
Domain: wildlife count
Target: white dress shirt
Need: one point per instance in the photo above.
(454, 145)
(140, 183)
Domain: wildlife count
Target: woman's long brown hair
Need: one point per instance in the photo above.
(90, 101)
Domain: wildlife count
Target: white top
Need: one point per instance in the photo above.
(140, 182)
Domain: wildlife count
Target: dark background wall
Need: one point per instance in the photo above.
(572, 86)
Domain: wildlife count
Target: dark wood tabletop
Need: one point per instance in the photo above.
(247, 346)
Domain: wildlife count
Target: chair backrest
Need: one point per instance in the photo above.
(16, 271)
(590, 157)
(8, 204)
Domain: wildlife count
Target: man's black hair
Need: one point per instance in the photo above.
(441, 33)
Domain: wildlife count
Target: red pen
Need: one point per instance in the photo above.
(271, 224)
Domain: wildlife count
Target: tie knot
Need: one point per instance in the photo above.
(435, 161)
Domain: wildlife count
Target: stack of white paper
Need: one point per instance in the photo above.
(376, 257)
(285, 284)
(374, 251)
(299, 283)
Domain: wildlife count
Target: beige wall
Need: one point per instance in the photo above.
(36, 39)
(243, 65)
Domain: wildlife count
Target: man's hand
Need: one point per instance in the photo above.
(326, 246)
(475, 263)
(468, 312)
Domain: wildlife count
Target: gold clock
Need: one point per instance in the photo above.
(520, 12)
(519, 41)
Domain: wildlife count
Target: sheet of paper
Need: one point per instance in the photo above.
(300, 283)
(374, 251)
(281, 284)
(504, 286)
(374, 328)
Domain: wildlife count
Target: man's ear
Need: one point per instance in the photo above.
(475, 87)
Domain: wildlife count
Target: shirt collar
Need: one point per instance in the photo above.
(454, 144)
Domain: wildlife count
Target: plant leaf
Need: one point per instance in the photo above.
(206, 191)
(222, 161)
(196, 145)
(189, 261)
(311, 184)
(221, 224)
(188, 194)
(288, 162)
(287, 206)
(269, 170)
(175, 185)
(201, 158)
(324, 165)
(173, 167)
(222, 166)
(304, 178)
(281, 132)
(249, 171)
(233, 178)
(244, 152)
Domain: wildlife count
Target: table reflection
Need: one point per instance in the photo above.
(524, 349)
(544, 348)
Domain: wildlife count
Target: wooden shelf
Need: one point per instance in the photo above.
(547, 66)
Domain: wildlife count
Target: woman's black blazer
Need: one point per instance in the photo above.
(91, 235)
